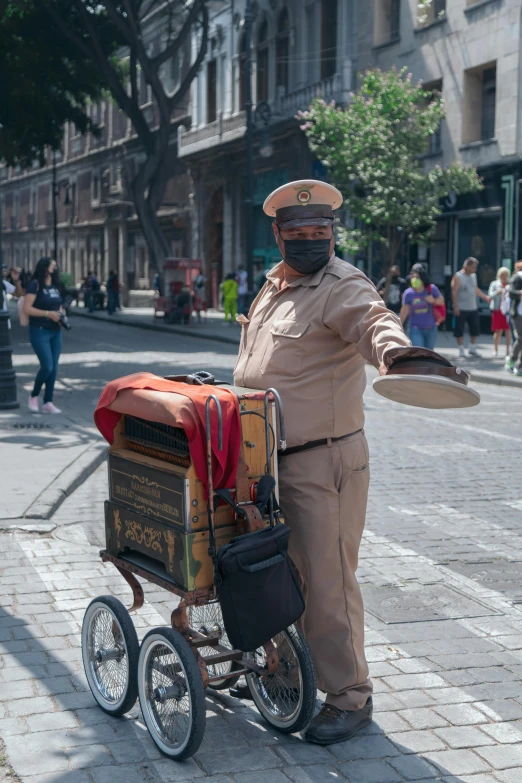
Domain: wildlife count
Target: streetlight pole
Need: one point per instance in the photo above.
(249, 174)
(55, 209)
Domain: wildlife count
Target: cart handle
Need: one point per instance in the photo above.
(280, 417)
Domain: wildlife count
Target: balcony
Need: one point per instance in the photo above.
(331, 89)
(232, 128)
(219, 132)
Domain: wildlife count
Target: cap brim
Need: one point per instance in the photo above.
(426, 391)
(306, 222)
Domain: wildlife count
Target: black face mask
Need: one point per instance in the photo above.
(307, 255)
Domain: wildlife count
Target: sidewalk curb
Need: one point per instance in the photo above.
(155, 327)
(18, 525)
(66, 482)
(477, 377)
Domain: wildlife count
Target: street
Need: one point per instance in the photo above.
(440, 568)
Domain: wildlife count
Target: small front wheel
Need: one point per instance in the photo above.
(171, 692)
(286, 699)
(110, 651)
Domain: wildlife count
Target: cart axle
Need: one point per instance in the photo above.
(114, 654)
(176, 692)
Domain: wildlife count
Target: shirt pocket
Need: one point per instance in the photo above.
(285, 347)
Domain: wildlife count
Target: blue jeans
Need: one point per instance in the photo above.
(423, 338)
(47, 345)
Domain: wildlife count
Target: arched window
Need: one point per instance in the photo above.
(262, 63)
(282, 51)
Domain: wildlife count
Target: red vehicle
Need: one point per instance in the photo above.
(179, 273)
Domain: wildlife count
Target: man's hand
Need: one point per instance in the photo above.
(456, 311)
(54, 315)
(15, 275)
(429, 299)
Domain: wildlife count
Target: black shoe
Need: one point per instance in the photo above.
(334, 725)
(240, 692)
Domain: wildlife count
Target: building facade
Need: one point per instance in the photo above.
(470, 52)
(299, 50)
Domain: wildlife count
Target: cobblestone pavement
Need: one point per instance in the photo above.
(440, 567)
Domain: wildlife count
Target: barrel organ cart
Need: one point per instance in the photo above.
(157, 527)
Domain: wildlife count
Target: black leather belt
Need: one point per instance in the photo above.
(313, 444)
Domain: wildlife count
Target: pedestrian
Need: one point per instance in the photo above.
(113, 292)
(230, 288)
(9, 284)
(43, 306)
(92, 288)
(514, 361)
(242, 289)
(499, 323)
(464, 293)
(309, 334)
(156, 284)
(391, 287)
(418, 303)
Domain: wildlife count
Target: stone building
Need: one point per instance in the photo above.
(470, 51)
(299, 50)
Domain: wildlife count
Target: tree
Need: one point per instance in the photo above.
(115, 38)
(373, 151)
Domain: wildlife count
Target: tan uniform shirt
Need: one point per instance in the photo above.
(311, 341)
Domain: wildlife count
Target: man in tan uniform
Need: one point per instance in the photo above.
(309, 334)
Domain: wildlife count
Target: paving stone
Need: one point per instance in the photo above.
(457, 762)
(463, 661)
(122, 774)
(501, 709)
(31, 706)
(461, 714)
(13, 726)
(59, 777)
(508, 775)
(372, 747)
(36, 762)
(415, 665)
(52, 721)
(86, 756)
(464, 737)
(407, 682)
(54, 685)
(171, 772)
(127, 751)
(385, 722)
(315, 773)
(414, 699)
(504, 732)
(370, 772)
(304, 753)
(502, 756)
(416, 741)
(267, 776)
(423, 718)
(20, 689)
(237, 760)
(413, 768)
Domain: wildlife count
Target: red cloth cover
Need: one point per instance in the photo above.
(188, 413)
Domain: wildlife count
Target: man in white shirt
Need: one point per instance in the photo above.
(7, 287)
(242, 288)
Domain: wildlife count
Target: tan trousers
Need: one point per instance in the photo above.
(323, 495)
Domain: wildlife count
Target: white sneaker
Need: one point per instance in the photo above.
(33, 405)
(472, 351)
(48, 407)
(462, 352)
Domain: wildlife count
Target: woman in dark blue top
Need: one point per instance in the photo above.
(43, 305)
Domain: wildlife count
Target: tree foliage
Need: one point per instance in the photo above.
(43, 83)
(373, 150)
(122, 45)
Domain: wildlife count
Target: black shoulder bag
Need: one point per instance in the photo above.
(255, 579)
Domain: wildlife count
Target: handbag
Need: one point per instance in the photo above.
(256, 584)
(439, 311)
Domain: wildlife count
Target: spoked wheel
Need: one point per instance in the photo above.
(171, 692)
(208, 619)
(286, 699)
(110, 653)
